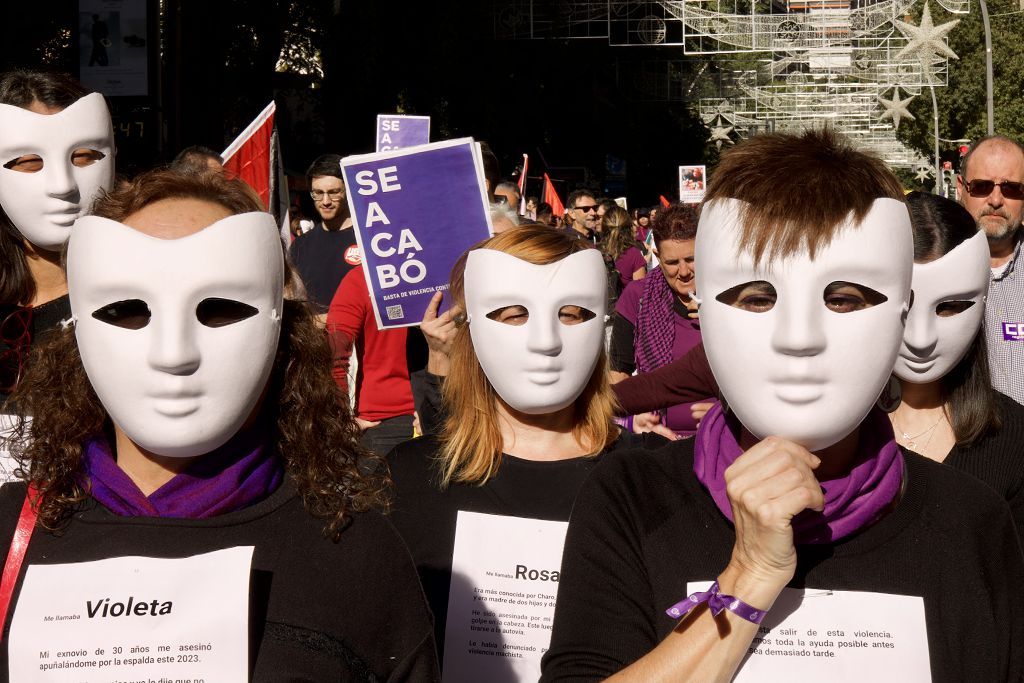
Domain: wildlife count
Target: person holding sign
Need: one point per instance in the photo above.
(483, 505)
(185, 408)
(56, 156)
(792, 539)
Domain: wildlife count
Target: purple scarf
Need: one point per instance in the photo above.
(852, 502)
(655, 330)
(236, 475)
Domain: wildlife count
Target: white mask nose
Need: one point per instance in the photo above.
(544, 337)
(798, 331)
(60, 182)
(173, 349)
(919, 335)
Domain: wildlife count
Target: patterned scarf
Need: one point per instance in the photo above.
(655, 331)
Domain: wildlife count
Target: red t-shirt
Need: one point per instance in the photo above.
(383, 389)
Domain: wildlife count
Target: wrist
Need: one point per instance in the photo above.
(756, 588)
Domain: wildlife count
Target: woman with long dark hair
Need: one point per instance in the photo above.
(187, 406)
(618, 242)
(56, 156)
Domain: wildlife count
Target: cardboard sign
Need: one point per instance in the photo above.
(501, 604)
(134, 618)
(838, 636)
(415, 212)
(395, 131)
(692, 182)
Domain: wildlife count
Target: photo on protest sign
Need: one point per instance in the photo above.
(415, 212)
(692, 181)
(398, 131)
(113, 53)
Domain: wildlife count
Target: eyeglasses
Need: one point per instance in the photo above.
(983, 188)
(319, 194)
(586, 209)
(16, 335)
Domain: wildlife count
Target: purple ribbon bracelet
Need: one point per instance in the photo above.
(717, 602)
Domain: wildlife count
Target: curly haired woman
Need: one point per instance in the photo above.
(190, 409)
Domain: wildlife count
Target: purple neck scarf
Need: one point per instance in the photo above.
(236, 475)
(655, 330)
(852, 502)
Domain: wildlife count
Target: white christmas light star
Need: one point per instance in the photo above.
(927, 41)
(924, 173)
(720, 134)
(895, 108)
(723, 110)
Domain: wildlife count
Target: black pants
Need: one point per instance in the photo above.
(388, 434)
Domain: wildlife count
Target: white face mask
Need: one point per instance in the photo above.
(44, 203)
(539, 363)
(799, 368)
(178, 337)
(949, 305)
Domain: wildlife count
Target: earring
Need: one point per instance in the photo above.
(891, 396)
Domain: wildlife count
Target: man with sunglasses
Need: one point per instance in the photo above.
(325, 254)
(991, 188)
(583, 212)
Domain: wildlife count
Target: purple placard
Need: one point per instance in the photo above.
(415, 212)
(1013, 331)
(396, 131)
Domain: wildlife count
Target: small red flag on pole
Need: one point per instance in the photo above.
(551, 197)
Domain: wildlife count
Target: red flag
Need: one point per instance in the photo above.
(255, 158)
(249, 156)
(664, 202)
(551, 197)
(522, 186)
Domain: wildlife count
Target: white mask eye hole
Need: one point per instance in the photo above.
(84, 156)
(574, 315)
(26, 163)
(214, 312)
(847, 297)
(756, 297)
(947, 309)
(510, 315)
(130, 314)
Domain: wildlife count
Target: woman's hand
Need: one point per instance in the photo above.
(651, 422)
(699, 410)
(439, 331)
(767, 486)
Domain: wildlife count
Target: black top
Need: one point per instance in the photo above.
(998, 459)
(319, 256)
(426, 516)
(319, 611)
(44, 318)
(643, 526)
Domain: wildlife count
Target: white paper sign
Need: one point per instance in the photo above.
(838, 636)
(502, 599)
(7, 463)
(132, 619)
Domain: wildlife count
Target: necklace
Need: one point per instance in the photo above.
(911, 441)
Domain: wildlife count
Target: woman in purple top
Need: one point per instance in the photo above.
(653, 324)
(619, 246)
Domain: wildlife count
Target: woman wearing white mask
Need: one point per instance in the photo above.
(188, 408)
(56, 156)
(792, 539)
(528, 413)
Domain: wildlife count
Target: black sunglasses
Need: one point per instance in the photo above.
(586, 209)
(983, 188)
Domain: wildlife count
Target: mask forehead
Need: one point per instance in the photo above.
(876, 253)
(963, 273)
(494, 279)
(237, 257)
(85, 123)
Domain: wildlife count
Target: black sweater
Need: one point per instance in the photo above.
(319, 611)
(643, 526)
(426, 516)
